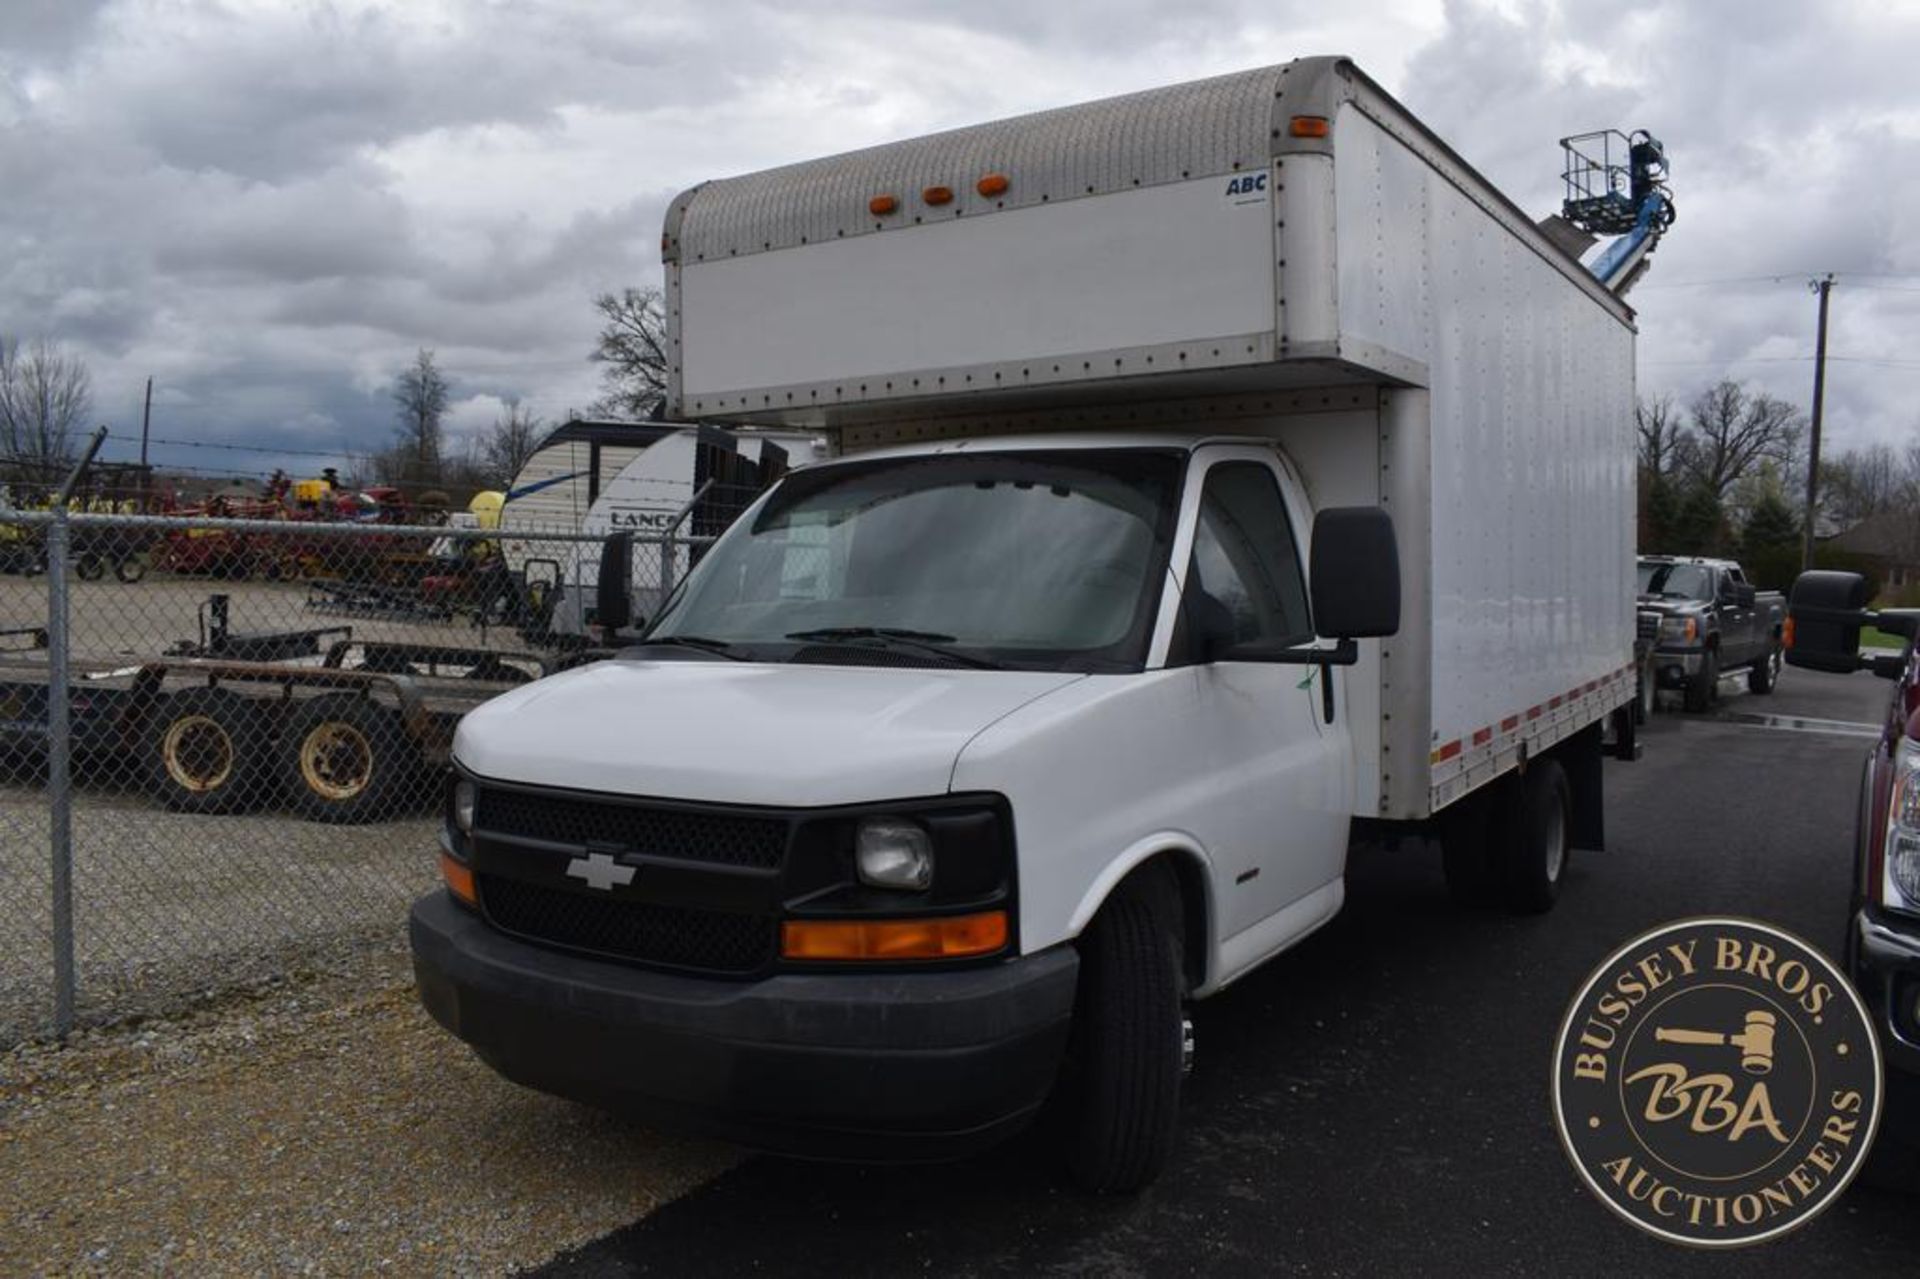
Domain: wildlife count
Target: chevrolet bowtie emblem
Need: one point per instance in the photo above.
(600, 871)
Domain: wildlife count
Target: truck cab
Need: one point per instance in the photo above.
(932, 708)
(1882, 942)
(1712, 622)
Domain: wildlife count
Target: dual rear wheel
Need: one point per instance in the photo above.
(1508, 844)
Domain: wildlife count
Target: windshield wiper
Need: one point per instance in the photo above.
(931, 642)
(699, 643)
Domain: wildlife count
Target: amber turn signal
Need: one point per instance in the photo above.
(1786, 633)
(951, 937)
(881, 205)
(1308, 126)
(459, 877)
(937, 195)
(993, 184)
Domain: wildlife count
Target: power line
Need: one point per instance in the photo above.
(241, 448)
(1784, 277)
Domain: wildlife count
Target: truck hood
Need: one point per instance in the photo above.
(1671, 608)
(743, 733)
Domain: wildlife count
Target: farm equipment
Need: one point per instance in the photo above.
(340, 729)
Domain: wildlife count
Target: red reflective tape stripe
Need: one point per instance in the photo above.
(1510, 723)
(1482, 737)
(1553, 703)
(1533, 712)
(1447, 752)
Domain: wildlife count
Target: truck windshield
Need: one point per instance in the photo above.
(1676, 581)
(1041, 559)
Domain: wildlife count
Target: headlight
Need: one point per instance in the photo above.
(464, 798)
(1678, 630)
(1900, 879)
(893, 852)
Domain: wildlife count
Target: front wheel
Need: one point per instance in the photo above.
(1765, 673)
(1705, 682)
(1129, 1038)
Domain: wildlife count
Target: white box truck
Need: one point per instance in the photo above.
(1222, 471)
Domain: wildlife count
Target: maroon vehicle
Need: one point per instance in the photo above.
(1824, 619)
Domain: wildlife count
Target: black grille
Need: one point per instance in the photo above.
(711, 940)
(729, 839)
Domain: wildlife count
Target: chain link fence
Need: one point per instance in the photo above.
(222, 741)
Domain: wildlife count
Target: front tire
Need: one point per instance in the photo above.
(1765, 673)
(1705, 684)
(1530, 847)
(1128, 1038)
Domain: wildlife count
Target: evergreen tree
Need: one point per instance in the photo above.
(1770, 542)
(1696, 526)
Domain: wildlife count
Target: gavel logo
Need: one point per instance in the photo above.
(1755, 1042)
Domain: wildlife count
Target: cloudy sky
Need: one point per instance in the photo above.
(269, 205)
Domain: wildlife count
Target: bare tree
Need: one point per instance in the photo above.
(505, 448)
(45, 395)
(633, 346)
(1733, 429)
(1860, 482)
(1662, 435)
(421, 392)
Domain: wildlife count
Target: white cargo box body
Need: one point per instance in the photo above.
(1191, 258)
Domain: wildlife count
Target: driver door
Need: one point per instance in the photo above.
(1279, 823)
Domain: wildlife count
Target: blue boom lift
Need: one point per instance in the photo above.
(1616, 186)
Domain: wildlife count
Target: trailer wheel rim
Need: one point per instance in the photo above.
(336, 760)
(198, 753)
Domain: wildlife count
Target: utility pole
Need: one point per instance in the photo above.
(1824, 287)
(146, 420)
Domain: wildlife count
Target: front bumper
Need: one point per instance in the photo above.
(1675, 666)
(881, 1066)
(1886, 969)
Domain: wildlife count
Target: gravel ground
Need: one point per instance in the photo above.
(168, 906)
(314, 1127)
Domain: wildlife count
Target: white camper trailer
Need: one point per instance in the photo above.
(639, 477)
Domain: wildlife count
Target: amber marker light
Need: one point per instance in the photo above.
(1786, 633)
(951, 937)
(993, 184)
(881, 205)
(937, 195)
(459, 877)
(1308, 126)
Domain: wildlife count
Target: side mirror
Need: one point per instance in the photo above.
(613, 594)
(1824, 615)
(1744, 596)
(1354, 576)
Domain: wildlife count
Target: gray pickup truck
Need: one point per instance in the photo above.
(1712, 621)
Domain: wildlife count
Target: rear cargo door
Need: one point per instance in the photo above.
(1281, 774)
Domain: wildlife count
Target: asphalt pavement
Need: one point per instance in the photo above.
(1377, 1100)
